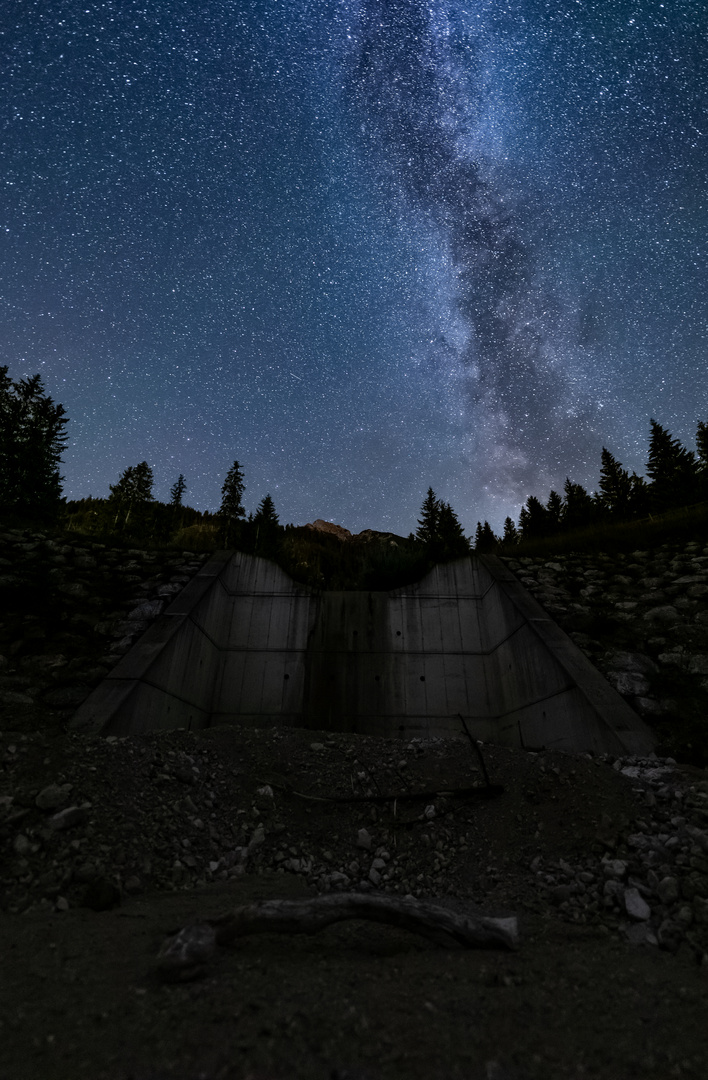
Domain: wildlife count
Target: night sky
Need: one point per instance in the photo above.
(362, 246)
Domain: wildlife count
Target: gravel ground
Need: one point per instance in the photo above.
(605, 863)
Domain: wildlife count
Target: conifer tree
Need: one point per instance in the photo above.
(672, 470)
(133, 490)
(702, 458)
(177, 491)
(32, 441)
(533, 519)
(554, 507)
(265, 515)
(511, 535)
(428, 523)
(231, 509)
(450, 531)
(702, 445)
(614, 496)
(578, 506)
(484, 540)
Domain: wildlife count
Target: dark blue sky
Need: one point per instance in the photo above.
(363, 246)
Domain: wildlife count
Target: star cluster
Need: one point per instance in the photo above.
(362, 246)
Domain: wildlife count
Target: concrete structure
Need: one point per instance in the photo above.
(244, 644)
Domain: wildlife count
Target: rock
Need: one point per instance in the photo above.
(628, 683)
(67, 697)
(86, 873)
(639, 663)
(614, 868)
(668, 890)
(21, 844)
(670, 935)
(635, 905)
(147, 610)
(363, 839)
(15, 697)
(639, 934)
(69, 818)
(264, 799)
(53, 796)
(75, 589)
(561, 893)
(666, 615)
(700, 910)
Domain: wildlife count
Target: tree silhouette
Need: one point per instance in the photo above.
(533, 519)
(578, 506)
(133, 492)
(428, 523)
(672, 470)
(32, 441)
(554, 506)
(702, 445)
(615, 494)
(265, 514)
(450, 531)
(484, 539)
(231, 510)
(177, 491)
(511, 535)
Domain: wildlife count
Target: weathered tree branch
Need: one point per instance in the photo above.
(184, 955)
(488, 791)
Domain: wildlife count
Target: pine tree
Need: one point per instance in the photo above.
(702, 445)
(554, 506)
(672, 470)
(702, 462)
(177, 491)
(133, 491)
(614, 496)
(511, 535)
(231, 510)
(231, 495)
(428, 523)
(639, 498)
(265, 515)
(32, 441)
(452, 535)
(533, 519)
(485, 540)
(578, 506)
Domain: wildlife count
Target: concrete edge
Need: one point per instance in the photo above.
(99, 710)
(612, 710)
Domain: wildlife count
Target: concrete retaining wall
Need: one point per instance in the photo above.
(245, 644)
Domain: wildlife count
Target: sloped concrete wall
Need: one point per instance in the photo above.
(245, 644)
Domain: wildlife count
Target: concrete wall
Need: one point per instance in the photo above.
(245, 644)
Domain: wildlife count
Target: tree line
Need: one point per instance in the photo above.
(33, 439)
(675, 477)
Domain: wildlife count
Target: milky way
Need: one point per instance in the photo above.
(363, 247)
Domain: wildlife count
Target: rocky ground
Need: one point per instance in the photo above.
(642, 618)
(111, 844)
(69, 609)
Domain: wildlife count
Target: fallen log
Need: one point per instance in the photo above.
(487, 791)
(184, 955)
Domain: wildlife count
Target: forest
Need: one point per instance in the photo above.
(623, 511)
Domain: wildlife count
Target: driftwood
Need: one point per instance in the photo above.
(487, 791)
(185, 954)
